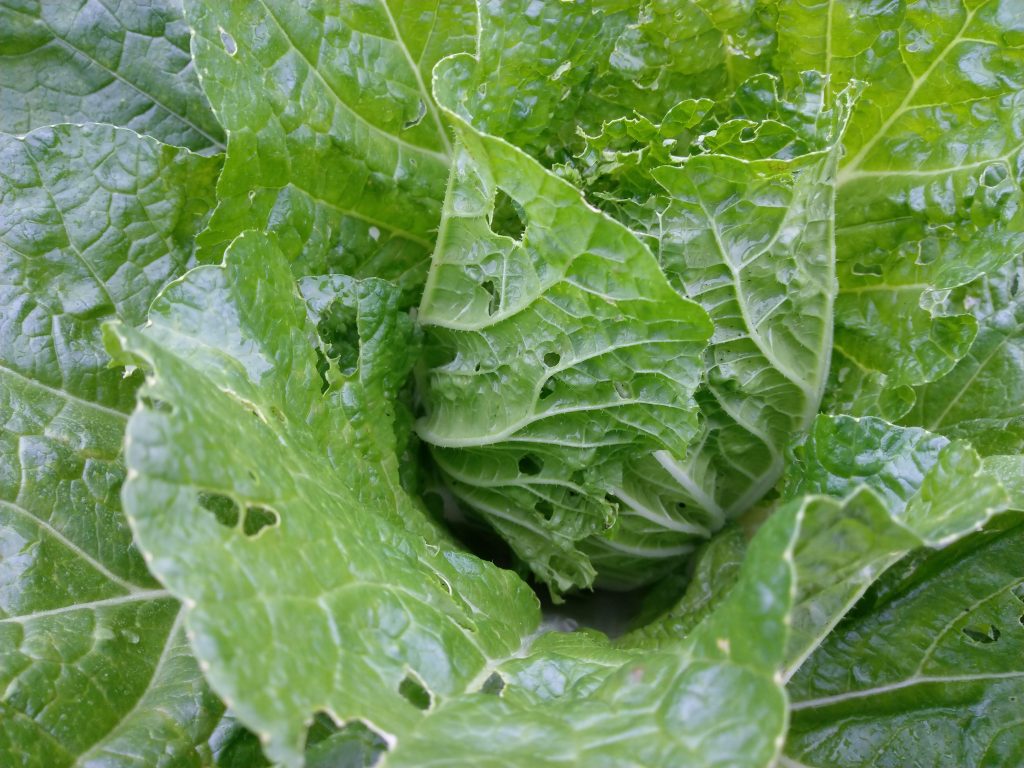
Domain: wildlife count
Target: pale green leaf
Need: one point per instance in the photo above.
(556, 355)
(311, 583)
(712, 700)
(930, 190)
(750, 238)
(334, 141)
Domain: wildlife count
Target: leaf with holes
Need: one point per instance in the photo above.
(557, 354)
(311, 582)
(94, 667)
(929, 194)
(334, 141)
(926, 670)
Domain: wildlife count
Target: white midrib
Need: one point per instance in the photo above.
(165, 653)
(71, 546)
(428, 101)
(909, 682)
(62, 394)
(135, 597)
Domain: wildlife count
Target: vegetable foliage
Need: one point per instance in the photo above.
(718, 300)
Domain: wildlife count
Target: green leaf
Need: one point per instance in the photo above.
(93, 666)
(125, 63)
(928, 674)
(334, 141)
(555, 356)
(901, 489)
(982, 398)
(715, 574)
(930, 191)
(311, 582)
(751, 239)
(712, 700)
(546, 71)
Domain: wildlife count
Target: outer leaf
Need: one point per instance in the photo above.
(715, 574)
(982, 398)
(334, 142)
(714, 700)
(119, 62)
(930, 674)
(554, 359)
(311, 582)
(930, 193)
(93, 667)
(903, 489)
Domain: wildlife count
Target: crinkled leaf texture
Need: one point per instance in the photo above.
(311, 583)
(904, 488)
(94, 667)
(556, 355)
(926, 671)
(746, 229)
(982, 398)
(930, 192)
(334, 141)
(123, 62)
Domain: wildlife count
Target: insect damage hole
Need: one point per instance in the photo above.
(493, 685)
(530, 465)
(418, 118)
(508, 217)
(413, 691)
(495, 301)
(223, 508)
(257, 518)
(352, 743)
(983, 634)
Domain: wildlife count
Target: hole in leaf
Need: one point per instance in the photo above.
(551, 359)
(339, 331)
(547, 388)
(546, 509)
(495, 301)
(256, 519)
(414, 692)
(622, 389)
(224, 508)
(444, 583)
(748, 134)
(277, 414)
(493, 685)
(156, 404)
(1022, 620)
(577, 477)
(352, 744)
(418, 119)
(1015, 285)
(530, 465)
(228, 42)
(508, 217)
(983, 635)
(867, 269)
